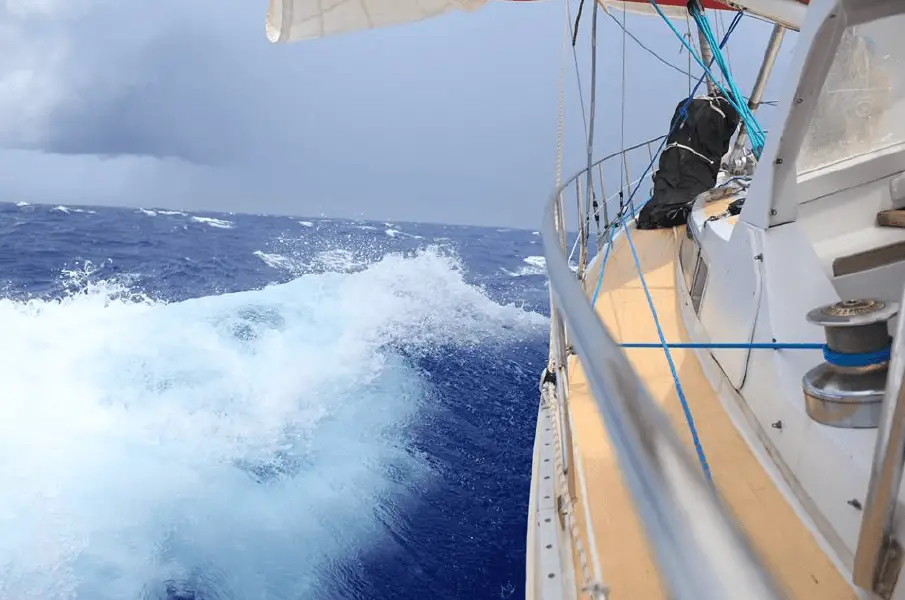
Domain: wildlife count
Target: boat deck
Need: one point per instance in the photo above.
(784, 543)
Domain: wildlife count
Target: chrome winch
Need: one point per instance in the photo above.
(847, 389)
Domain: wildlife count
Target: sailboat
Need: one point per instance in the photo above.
(722, 415)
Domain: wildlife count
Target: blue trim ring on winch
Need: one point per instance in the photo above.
(862, 359)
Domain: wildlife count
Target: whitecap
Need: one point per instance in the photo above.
(218, 223)
(275, 261)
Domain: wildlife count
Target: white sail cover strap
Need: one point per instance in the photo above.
(295, 20)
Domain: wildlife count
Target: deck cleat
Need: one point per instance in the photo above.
(847, 389)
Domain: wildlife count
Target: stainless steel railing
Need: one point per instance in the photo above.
(878, 557)
(700, 550)
(607, 204)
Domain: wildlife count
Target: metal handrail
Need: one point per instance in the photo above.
(878, 556)
(584, 207)
(699, 548)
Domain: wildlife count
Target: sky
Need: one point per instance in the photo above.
(186, 105)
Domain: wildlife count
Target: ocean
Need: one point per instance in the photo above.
(222, 406)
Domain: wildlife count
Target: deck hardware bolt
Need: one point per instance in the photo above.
(772, 212)
(776, 425)
(778, 161)
(799, 100)
(854, 502)
(758, 257)
(550, 575)
(846, 390)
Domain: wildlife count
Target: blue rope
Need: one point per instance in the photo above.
(684, 112)
(722, 346)
(755, 131)
(606, 256)
(702, 458)
(861, 359)
(689, 418)
(758, 138)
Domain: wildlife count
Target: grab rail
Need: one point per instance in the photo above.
(700, 551)
(878, 556)
(624, 193)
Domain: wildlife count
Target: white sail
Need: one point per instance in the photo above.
(788, 13)
(644, 8)
(295, 20)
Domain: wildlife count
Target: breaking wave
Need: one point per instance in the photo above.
(212, 222)
(534, 265)
(224, 447)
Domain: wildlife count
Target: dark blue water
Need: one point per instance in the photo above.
(231, 406)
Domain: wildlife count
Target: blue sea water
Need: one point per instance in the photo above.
(219, 406)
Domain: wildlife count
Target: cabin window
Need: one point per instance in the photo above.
(861, 107)
(698, 285)
(694, 269)
(688, 258)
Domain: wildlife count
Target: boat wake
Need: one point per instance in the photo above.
(230, 446)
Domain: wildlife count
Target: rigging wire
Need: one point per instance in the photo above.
(620, 218)
(589, 190)
(719, 16)
(577, 21)
(735, 98)
(687, 72)
(622, 116)
(681, 48)
(755, 132)
(640, 43)
(573, 31)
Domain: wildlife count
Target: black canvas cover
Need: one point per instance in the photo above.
(690, 161)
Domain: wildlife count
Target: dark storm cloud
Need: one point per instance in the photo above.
(185, 104)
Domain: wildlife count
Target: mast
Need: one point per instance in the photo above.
(707, 57)
(738, 162)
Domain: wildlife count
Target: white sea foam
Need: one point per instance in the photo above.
(67, 210)
(237, 442)
(218, 223)
(534, 265)
(337, 260)
(277, 261)
(399, 233)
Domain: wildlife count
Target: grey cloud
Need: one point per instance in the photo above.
(450, 120)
